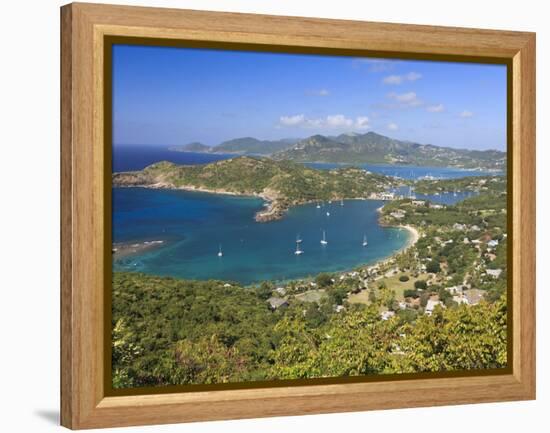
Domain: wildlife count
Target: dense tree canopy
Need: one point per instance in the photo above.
(168, 331)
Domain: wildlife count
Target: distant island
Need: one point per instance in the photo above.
(354, 148)
(239, 146)
(281, 183)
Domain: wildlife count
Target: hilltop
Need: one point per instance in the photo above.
(281, 183)
(250, 145)
(354, 148)
(192, 147)
(239, 146)
(375, 148)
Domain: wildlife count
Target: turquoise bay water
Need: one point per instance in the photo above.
(447, 198)
(193, 225)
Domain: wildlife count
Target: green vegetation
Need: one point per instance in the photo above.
(474, 184)
(241, 146)
(440, 305)
(283, 182)
(463, 244)
(253, 146)
(376, 148)
(359, 343)
(168, 331)
(355, 149)
(175, 331)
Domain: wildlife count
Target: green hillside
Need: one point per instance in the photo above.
(375, 148)
(283, 183)
(251, 146)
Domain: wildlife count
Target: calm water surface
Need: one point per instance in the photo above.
(194, 225)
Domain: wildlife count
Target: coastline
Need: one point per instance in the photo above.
(273, 208)
(121, 250)
(415, 236)
(128, 249)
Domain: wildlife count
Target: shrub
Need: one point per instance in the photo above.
(323, 280)
(433, 267)
(403, 278)
(420, 285)
(410, 293)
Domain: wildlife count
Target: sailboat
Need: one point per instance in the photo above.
(342, 202)
(365, 243)
(220, 253)
(324, 240)
(328, 213)
(298, 250)
(318, 206)
(298, 239)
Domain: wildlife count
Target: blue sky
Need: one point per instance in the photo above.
(170, 96)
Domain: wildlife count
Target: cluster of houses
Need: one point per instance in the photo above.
(362, 279)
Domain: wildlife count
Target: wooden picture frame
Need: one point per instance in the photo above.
(85, 212)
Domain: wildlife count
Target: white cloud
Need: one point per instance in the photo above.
(413, 76)
(332, 121)
(392, 126)
(298, 119)
(399, 79)
(439, 108)
(409, 99)
(393, 79)
(465, 114)
(375, 65)
(362, 122)
(318, 92)
(338, 121)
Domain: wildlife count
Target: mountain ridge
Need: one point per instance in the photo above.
(239, 146)
(376, 148)
(356, 148)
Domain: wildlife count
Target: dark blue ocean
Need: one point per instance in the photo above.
(130, 158)
(194, 225)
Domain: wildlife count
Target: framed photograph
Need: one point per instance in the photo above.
(266, 216)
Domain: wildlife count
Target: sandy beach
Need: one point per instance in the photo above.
(414, 236)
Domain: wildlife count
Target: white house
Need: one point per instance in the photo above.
(281, 291)
(430, 306)
(492, 243)
(454, 290)
(495, 273)
(473, 296)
